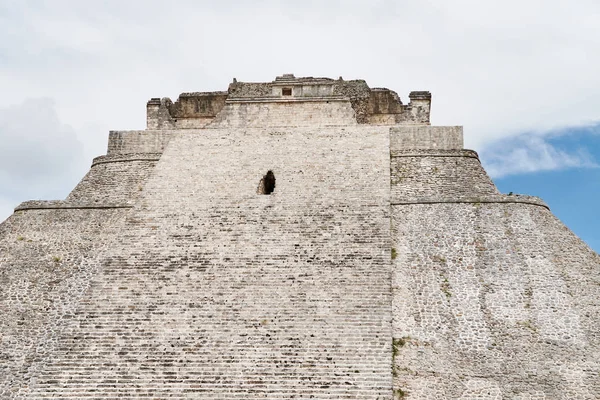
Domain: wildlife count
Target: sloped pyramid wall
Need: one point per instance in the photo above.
(47, 259)
(212, 291)
(494, 298)
(49, 253)
(384, 265)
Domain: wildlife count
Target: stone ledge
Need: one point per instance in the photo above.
(286, 100)
(125, 158)
(65, 205)
(502, 198)
(433, 153)
(202, 94)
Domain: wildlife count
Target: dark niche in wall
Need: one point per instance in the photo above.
(267, 183)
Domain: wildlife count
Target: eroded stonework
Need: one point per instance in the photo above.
(385, 264)
(364, 105)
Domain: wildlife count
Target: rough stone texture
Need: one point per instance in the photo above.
(493, 301)
(384, 265)
(114, 179)
(158, 115)
(426, 137)
(134, 142)
(198, 105)
(191, 110)
(66, 205)
(285, 114)
(378, 106)
(439, 174)
(216, 292)
(47, 258)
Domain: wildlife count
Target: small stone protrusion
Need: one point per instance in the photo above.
(285, 77)
(420, 95)
(154, 100)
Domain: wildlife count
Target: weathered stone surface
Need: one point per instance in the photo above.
(384, 264)
(498, 291)
(426, 137)
(136, 142)
(438, 174)
(47, 259)
(277, 296)
(331, 102)
(114, 179)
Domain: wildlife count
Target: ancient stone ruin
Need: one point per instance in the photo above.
(306, 238)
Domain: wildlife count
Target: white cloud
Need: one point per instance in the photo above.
(500, 68)
(40, 157)
(531, 153)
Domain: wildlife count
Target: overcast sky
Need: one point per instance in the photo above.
(521, 76)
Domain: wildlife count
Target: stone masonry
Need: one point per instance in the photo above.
(385, 264)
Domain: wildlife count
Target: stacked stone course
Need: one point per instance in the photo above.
(264, 296)
(384, 265)
(47, 259)
(115, 179)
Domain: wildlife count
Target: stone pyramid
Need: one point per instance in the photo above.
(306, 238)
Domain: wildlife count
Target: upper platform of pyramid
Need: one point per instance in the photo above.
(347, 101)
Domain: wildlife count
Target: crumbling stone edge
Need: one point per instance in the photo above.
(520, 199)
(434, 153)
(131, 157)
(64, 205)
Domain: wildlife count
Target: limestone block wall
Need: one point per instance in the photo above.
(426, 137)
(158, 114)
(114, 179)
(418, 109)
(493, 301)
(384, 102)
(379, 106)
(50, 250)
(493, 298)
(134, 142)
(47, 259)
(216, 292)
(190, 111)
(384, 265)
(437, 174)
(198, 105)
(285, 114)
(191, 123)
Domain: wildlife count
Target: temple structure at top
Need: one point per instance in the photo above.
(377, 106)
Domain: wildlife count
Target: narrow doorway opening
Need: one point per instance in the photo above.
(267, 183)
